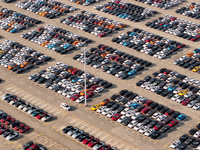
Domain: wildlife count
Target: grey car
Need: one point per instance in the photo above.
(77, 133)
(72, 131)
(99, 145)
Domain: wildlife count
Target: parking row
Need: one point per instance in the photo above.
(191, 61)
(148, 43)
(143, 115)
(12, 21)
(188, 140)
(86, 139)
(174, 86)
(84, 2)
(24, 106)
(56, 39)
(126, 10)
(10, 127)
(69, 82)
(49, 9)
(191, 10)
(113, 61)
(176, 26)
(93, 23)
(32, 145)
(162, 4)
(19, 58)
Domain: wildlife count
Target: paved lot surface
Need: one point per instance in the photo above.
(112, 133)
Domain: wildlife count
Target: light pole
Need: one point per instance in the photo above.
(84, 53)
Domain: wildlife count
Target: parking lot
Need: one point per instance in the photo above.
(49, 133)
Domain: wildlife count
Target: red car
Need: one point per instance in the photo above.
(21, 125)
(24, 129)
(181, 45)
(169, 112)
(105, 147)
(186, 101)
(173, 123)
(194, 38)
(87, 139)
(148, 102)
(89, 94)
(2, 130)
(158, 126)
(117, 59)
(5, 118)
(167, 71)
(74, 97)
(116, 116)
(11, 120)
(145, 110)
(94, 87)
(75, 71)
(112, 57)
(103, 47)
(33, 147)
(102, 34)
(40, 115)
(93, 142)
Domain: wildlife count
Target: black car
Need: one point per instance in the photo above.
(126, 121)
(113, 97)
(195, 143)
(152, 123)
(66, 129)
(82, 137)
(189, 140)
(183, 138)
(155, 135)
(193, 131)
(159, 107)
(164, 128)
(151, 112)
(175, 114)
(181, 146)
(147, 121)
(139, 83)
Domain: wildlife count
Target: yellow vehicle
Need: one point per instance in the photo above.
(195, 69)
(95, 107)
(183, 92)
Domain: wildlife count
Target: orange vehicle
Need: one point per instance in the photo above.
(78, 2)
(55, 7)
(82, 93)
(12, 66)
(1, 14)
(44, 14)
(190, 54)
(153, 41)
(71, 69)
(45, 43)
(62, 9)
(10, 24)
(75, 42)
(24, 64)
(104, 54)
(8, 30)
(122, 25)
(191, 7)
(40, 13)
(100, 23)
(104, 102)
(112, 27)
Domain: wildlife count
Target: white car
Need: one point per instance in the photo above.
(191, 104)
(196, 106)
(106, 111)
(12, 136)
(125, 111)
(197, 134)
(80, 99)
(99, 89)
(46, 117)
(138, 126)
(122, 118)
(110, 114)
(65, 106)
(175, 97)
(161, 117)
(136, 115)
(132, 124)
(143, 129)
(101, 109)
(175, 144)
(156, 115)
(149, 132)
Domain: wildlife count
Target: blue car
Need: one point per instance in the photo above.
(134, 105)
(66, 46)
(132, 72)
(132, 34)
(126, 43)
(13, 30)
(181, 117)
(51, 46)
(171, 47)
(172, 88)
(166, 25)
(76, 79)
(197, 50)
